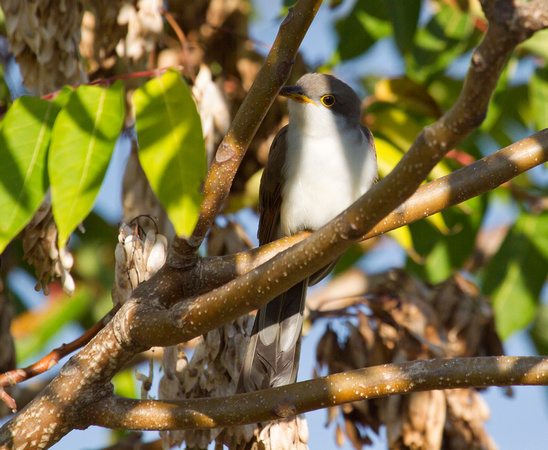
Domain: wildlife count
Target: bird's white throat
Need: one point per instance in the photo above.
(329, 165)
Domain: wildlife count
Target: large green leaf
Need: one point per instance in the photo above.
(404, 16)
(516, 274)
(24, 140)
(539, 97)
(82, 142)
(367, 22)
(171, 147)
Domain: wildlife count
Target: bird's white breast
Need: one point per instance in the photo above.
(328, 167)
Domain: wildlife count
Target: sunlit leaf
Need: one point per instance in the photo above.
(124, 383)
(83, 139)
(248, 198)
(62, 98)
(407, 94)
(438, 221)
(538, 44)
(171, 147)
(395, 124)
(395, 131)
(516, 274)
(388, 155)
(24, 140)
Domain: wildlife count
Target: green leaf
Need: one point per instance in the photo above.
(63, 97)
(496, 105)
(539, 330)
(449, 34)
(516, 274)
(537, 231)
(538, 44)
(125, 383)
(445, 248)
(171, 147)
(83, 139)
(408, 95)
(366, 23)
(404, 16)
(24, 140)
(438, 263)
(539, 97)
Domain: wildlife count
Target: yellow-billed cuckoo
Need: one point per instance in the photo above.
(319, 164)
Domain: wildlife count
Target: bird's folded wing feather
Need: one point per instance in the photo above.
(270, 201)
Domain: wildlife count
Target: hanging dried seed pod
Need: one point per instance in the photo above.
(44, 39)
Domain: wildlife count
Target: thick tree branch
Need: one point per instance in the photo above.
(272, 76)
(468, 182)
(272, 404)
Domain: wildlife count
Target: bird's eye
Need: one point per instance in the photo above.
(328, 100)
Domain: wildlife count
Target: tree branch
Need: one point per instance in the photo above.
(468, 182)
(337, 389)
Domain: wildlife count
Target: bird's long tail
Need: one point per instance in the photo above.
(272, 355)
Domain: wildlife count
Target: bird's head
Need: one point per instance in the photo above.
(319, 99)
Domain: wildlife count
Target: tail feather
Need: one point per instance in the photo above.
(272, 355)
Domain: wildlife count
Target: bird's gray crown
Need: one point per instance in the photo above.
(316, 86)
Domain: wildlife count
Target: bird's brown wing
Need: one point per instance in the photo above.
(272, 355)
(270, 193)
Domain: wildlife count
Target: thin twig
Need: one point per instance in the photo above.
(125, 76)
(184, 44)
(17, 376)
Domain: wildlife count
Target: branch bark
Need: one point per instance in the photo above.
(337, 389)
